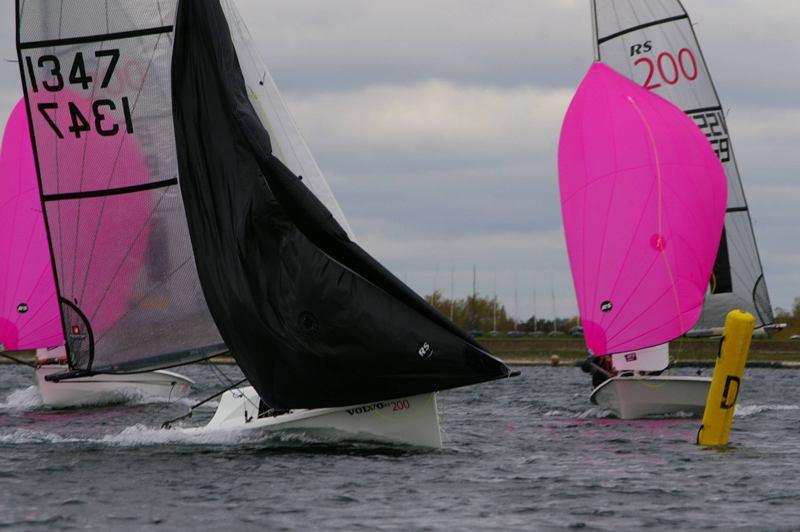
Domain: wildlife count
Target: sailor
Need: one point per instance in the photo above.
(600, 367)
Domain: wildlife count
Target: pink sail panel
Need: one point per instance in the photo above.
(29, 315)
(100, 239)
(643, 201)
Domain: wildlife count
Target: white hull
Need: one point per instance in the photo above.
(635, 397)
(409, 420)
(107, 389)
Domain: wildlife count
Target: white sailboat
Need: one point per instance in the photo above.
(643, 203)
(29, 316)
(239, 244)
(654, 44)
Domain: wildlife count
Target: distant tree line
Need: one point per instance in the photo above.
(790, 317)
(483, 313)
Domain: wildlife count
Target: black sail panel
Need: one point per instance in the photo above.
(311, 318)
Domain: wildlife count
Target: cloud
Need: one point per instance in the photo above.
(437, 122)
(430, 124)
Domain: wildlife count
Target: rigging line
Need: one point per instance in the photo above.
(83, 175)
(608, 215)
(33, 289)
(732, 163)
(631, 293)
(161, 18)
(660, 241)
(285, 122)
(627, 253)
(624, 328)
(116, 162)
(12, 233)
(168, 424)
(17, 360)
(149, 292)
(124, 257)
(692, 87)
(42, 326)
(734, 227)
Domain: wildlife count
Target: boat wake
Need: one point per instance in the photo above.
(752, 410)
(22, 400)
(141, 435)
(28, 437)
(29, 399)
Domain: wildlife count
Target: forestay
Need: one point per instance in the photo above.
(29, 315)
(643, 203)
(96, 79)
(311, 318)
(653, 43)
(288, 144)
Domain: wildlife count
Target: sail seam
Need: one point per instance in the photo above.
(660, 241)
(640, 27)
(121, 35)
(110, 191)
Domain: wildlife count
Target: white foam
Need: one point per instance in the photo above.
(27, 437)
(22, 400)
(139, 435)
(593, 413)
(751, 410)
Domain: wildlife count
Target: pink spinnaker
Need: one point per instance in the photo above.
(100, 242)
(643, 200)
(29, 315)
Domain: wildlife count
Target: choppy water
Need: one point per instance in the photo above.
(527, 453)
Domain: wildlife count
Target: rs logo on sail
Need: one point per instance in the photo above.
(641, 48)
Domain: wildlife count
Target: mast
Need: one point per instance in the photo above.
(534, 305)
(452, 290)
(311, 318)
(516, 303)
(595, 47)
(640, 256)
(494, 304)
(474, 306)
(29, 310)
(553, 295)
(125, 278)
(632, 37)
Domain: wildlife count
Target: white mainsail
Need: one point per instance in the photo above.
(654, 44)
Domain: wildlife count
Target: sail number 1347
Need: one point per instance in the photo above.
(94, 116)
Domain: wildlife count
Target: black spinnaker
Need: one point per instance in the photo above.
(311, 318)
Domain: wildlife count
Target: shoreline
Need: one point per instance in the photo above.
(523, 355)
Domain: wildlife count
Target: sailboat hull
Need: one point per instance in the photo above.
(636, 397)
(409, 420)
(109, 389)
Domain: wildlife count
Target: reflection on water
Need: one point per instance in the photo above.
(526, 453)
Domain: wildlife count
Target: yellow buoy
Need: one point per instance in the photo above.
(727, 380)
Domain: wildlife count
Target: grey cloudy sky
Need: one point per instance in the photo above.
(436, 123)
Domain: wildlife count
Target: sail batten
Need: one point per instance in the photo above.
(311, 318)
(95, 75)
(654, 44)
